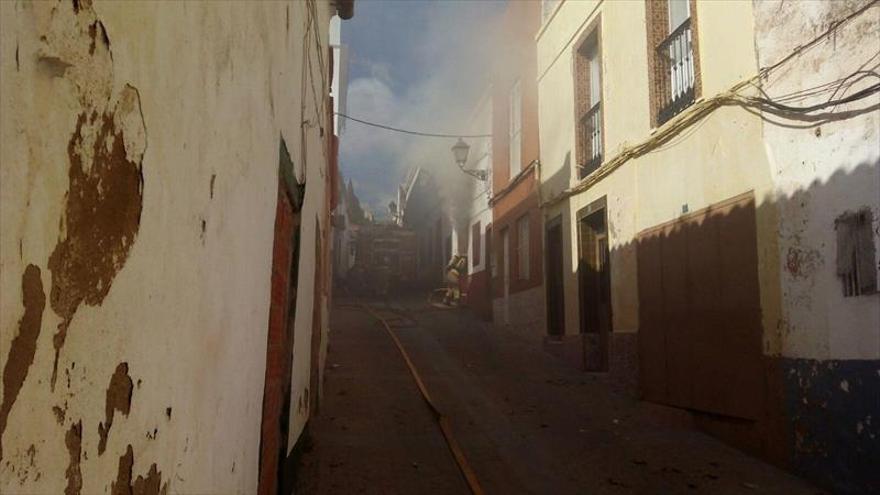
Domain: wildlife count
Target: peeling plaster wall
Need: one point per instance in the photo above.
(820, 171)
(828, 345)
(138, 174)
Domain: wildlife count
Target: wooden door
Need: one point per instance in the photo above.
(595, 289)
(699, 311)
(279, 346)
(555, 280)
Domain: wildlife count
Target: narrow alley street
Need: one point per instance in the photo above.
(498, 247)
(526, 421)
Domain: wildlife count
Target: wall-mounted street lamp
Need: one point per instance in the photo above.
(460, 152)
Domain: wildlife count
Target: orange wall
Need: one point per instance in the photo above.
(512, 201)
(518, 60)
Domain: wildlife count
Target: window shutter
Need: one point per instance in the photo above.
(856, 257)
(865, 255)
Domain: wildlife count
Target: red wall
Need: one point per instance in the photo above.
(278, 349)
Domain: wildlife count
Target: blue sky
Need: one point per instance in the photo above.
(412, 64)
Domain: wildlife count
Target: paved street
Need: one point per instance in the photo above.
(527, 422)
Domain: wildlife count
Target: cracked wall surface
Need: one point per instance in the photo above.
(139, 149)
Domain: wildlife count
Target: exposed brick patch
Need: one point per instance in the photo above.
(657, 22)
(582, 93)
(581, 102)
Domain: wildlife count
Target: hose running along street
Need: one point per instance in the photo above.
(467, 472)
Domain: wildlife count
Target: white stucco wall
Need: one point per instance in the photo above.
(821, 170)
(480, 158)
(215, 84)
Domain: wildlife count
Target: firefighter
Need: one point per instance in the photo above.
(456, 270)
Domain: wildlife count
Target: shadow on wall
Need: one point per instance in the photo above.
(701, 341)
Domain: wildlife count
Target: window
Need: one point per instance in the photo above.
(475, 244)
(515, 135)
(673, 57)
(856, 260)
(679, 12)
(588, 101)
(522, 248)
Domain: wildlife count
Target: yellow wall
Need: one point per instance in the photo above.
(720, 157)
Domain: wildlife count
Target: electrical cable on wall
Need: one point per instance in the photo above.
(733, 97)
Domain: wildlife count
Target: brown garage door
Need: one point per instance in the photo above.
(699, 311)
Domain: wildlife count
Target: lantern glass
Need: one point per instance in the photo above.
(460, 150)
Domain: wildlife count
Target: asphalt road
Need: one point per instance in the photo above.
(526, 421)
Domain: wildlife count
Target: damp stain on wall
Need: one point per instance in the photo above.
(24, 345)
(118, 399)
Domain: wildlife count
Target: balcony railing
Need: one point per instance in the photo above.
(675, 72)
(590, 130)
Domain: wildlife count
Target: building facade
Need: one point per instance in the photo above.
(478, 227)
(167, 184)
(386, 259)
(826, 179)
(343, 228)
(516, 256)
(709, 246)
(344, 236)
(423, 208)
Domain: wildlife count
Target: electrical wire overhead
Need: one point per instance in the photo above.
(414, 133)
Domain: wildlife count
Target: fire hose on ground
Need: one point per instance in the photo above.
(467, 472)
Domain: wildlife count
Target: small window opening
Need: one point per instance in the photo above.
(856, 257)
